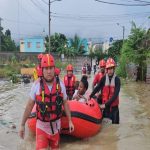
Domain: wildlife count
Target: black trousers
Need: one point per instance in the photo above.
(112, 114)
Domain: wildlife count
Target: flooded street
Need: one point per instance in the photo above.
(133, 133)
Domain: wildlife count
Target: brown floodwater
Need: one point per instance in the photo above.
(133, 132)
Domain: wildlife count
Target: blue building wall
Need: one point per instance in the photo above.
(34, 44)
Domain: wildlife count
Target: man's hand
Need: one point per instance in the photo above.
(102, 106)
(71, 126)
(22, 131)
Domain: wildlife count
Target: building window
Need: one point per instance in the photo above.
(38, 45)
(29, 44)
(22, 43)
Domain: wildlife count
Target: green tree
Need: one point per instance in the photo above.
(7, 43)
(58, 41)
(115, 49)
(77, 44)
(8, 33)
(134, 50)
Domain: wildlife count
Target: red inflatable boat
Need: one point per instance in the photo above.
(86, 118)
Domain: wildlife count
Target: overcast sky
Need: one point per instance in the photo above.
(87, 18)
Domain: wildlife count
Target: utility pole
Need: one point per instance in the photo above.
(123, 27)
(0, 35)
(50, 22)
(49, 25)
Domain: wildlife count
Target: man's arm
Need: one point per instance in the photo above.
(116, 92)
(26, 114)
(29, 107)
(94, 82)
(98, 87)
(68, 114)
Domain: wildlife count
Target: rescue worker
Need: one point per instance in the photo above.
(69, 81)
(100, 74)
(110, 88)
(38, 70)
(57, 71)
(49, 96)
(94, 68)
(98, 77)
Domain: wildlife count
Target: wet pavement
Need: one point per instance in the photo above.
(133, 132)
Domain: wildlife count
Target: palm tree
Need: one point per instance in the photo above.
(76, 43)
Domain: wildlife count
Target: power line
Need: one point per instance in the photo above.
(28, 14)
(87, 17)
(122, 4)
(103, 19)
(142, 1)
(23, 22)
(99, 16)
(41, 9)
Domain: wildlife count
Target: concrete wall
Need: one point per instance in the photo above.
(20, 56)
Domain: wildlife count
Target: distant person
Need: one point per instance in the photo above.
(84, 70)
(110, 88)
(57, 71)
(98, 77)
(94, 68)
(69, 81)
(89, 69)
(37, 72)
(81, 94)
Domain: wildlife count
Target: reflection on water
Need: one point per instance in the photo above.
(133, 133)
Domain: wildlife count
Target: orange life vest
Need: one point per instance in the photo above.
(100, 75)
(108, 91)
(98, 78)
(70, 84)
(49, 103)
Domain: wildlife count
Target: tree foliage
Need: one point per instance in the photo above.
(115, 49)
(77, 44)
(136, 50)
(7, 44)
(58, 42)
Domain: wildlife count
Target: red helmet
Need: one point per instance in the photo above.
(40, 56)
(110, 63)
(47, 61)
(57, 71)
(39, 71)
(69, 67)
(102, 63)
